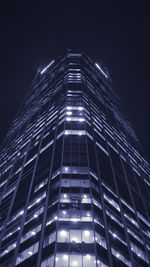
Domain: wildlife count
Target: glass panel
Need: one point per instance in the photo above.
(87, 236)
(89, 261)
(75, 261)
(49, 239)
(75, 236)
(63, 236)
(62, 260)
(100, 240)
(27, 253)
(48, 262)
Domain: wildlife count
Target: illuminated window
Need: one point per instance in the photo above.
(75, 236)
(139, 252)
(48, 262)
(120, 257)
(75, 119)
(74, 108)
(63, 236)
(100, 240)
(30, 233)
(75, 132)
(50, 238)
(27, 253)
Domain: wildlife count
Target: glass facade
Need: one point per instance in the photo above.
(74, 183)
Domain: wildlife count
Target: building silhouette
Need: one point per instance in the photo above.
(74, 183)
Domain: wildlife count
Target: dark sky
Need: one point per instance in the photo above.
(114, 32)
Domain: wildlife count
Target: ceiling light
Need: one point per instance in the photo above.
(86, 232)
(63, 233)
(65, 257)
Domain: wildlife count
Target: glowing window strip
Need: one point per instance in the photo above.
(8, 249)
(112, 147)
(131, 219)
(101, 70)
(112, 202)
(127, 205)
(40, 185)
(3, 183)
(6, 169)
(75, 132)
(147, 182)
(143, 219)
(74, 119)
(14, 217)
(109, 190)
(120, 257)
(74, 108)
(30, 160)
(114, 218)
(139, 252)
(102, 148)
(47, 67)
(134, 235)
(8, 192)
(89, 136)
(115, 235)
(37, 200)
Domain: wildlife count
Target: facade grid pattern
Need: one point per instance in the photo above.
(74, 183)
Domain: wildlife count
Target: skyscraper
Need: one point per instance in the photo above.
(74, 183)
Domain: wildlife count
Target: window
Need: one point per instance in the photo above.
(48, 262)
(31, 233)
(22, 256)
(50, 238)
(75, 236)
(75, 260)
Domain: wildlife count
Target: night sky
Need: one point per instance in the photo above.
(116, 33)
